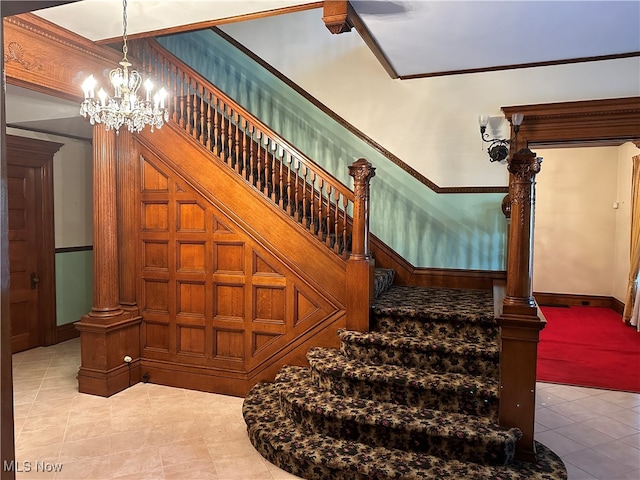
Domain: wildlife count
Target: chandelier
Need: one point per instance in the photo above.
(124, 107)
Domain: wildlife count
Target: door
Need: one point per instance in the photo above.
(31, 242)
(23, 258)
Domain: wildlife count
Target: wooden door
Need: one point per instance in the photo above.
(31, 242)
(23, 258)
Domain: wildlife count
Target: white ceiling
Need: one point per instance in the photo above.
(418, 37)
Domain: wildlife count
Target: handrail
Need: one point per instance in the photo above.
(292, 181)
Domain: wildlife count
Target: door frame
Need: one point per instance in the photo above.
(38, 154)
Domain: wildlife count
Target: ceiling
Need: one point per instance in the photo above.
(417, 37)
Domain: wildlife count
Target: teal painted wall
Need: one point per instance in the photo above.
(462, 231)
(74, 285)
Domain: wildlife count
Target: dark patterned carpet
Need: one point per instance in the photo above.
(415, 398)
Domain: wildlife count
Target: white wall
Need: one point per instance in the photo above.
(429, 123)
(581, 243)
(72, 183)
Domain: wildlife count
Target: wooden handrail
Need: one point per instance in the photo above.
(286, 176)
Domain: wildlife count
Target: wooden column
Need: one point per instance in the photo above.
(128, 205)
(335, 15)
(519, 321)
(107, 332)
(7, 444)
(360, 264)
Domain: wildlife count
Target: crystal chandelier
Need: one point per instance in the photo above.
(125, 107)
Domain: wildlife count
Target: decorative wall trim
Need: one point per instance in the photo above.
(327, 111)
(519, 65)
(572, 299)
(407, 274)
(83, 248)
(66, 332)
(219, 21)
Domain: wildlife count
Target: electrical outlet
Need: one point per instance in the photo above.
(127, 359)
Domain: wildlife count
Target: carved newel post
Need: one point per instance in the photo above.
(519, 321)
(360, 265)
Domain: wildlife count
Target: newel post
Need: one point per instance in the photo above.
(519, 320)
(360, 265)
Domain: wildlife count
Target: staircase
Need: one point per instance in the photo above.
(413, 389)
(416, 397)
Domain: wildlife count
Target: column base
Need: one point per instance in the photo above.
(103, 347)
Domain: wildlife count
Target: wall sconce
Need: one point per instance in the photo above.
(499, 148)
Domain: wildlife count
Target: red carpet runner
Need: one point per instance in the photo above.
(589, 347)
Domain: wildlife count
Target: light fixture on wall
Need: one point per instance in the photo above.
(499, 148)
(125, 107)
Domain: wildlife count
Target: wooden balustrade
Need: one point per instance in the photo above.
(289, 179)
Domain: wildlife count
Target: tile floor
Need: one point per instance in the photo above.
(156, 432)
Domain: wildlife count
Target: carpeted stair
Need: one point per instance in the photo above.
(417, 397)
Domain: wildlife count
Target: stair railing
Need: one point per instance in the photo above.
(284, 175)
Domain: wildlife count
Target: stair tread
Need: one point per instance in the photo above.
(447, 304)
(421, 344)
(311, 455)
(335, 362)
(302, 390)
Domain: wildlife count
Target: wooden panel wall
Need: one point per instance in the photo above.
(211, 296)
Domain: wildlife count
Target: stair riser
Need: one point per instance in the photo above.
(441, 399)
(435, 361)
(396, 436)
(419, 326)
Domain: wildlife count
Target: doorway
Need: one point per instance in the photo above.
(31, 242)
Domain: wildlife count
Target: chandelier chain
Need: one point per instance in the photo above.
(124, 29)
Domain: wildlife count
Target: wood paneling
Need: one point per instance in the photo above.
(215, 296)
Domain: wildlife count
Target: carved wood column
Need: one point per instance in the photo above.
(360, 265)
(107, 332)
(519, 321)
(128, 216)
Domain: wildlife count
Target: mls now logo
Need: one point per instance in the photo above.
(26, 466)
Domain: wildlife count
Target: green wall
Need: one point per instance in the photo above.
(462, 231)
(74, 285)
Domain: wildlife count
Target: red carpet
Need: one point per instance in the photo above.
(589, 347)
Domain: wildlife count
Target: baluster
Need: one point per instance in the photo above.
(265, 151)
(189, 107)
(248, 144)
(258, 148)
(345, 206)
(229, 132)
(194, 108)
(327, 240)
(223, 131)
(312, 203)
(236, 143)
(281, 167)
(202, 114)
(296, 199)
(209, 99)
(336, 227)
(274, 179)
(305, 203)
(182, 93)
(320, 206)
(175, 93)
(216, 126)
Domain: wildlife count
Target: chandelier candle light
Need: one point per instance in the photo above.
(125, 107)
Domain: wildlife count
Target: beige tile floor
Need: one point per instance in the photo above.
(155, 432)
